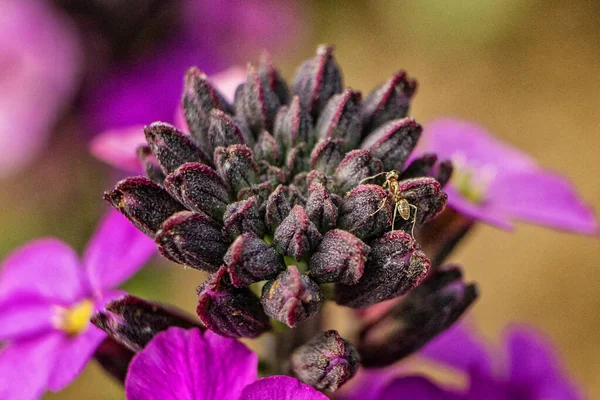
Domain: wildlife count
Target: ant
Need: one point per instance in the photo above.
(401, 204)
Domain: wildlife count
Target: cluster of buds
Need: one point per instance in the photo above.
(269, 194)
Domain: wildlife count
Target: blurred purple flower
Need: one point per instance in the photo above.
(118, 146)
(189, 364)
(148, 88)
(39, 71)
(494, 182)
(47, 297)
(532, 371)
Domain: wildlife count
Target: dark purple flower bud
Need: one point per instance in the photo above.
(306, 179)
(277, 208)
(320, 208)
(393, 142)
(297, 159)
(327, 155)
(199, 188)
(243, 216)
(297, 235)
(420, 166)
(143, 202)
(192, 239)
(325, 362)
(199, 98)
(396, 265)
(172, 147)
(425, 194)
(426, 166)
(114, 358)
(389, 101)
(260, 191)
(296, 196)
(150, 164)
(341, 119)
(361, 213)
(317, 80)
(256, 103)
(271, 78)
(133, 322)
(266, 149)
(223, 131)
(425, 312)
(249, 259)
(229, 311)
(444, 172)
(292, 297)
(293, 125)
(236, 166)
(356, 166)
(340, 257)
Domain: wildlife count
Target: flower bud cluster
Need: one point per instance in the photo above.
(268, 189)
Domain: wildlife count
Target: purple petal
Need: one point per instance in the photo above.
(280, 388)
(72, 356)
(25, 367)
(44, 268)
(449, 137)
(23, 317)
(477, 212)
(533, 363)
(116, 252)
(544, 198)
(459, 348)
(416, 387)
(117, 147)
(183, 364)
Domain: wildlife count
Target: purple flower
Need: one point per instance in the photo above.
(39, 68)
(181, 364)
(47, 297)
(148, 87)
(496, 183)
(531, 372)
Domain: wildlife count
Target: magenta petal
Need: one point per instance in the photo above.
(117, 147)
(73, 355)
(483, 213)
(181, 364)
(280, 388)
(44, 268)
(24, 317)
(534, 364)
(416, 387)
(450, 137)
(545, 198)
(25, 367)
(116, 252)
(460, 349)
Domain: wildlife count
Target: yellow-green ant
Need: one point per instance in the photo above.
(401, 205)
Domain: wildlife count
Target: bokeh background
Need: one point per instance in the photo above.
(525, 69)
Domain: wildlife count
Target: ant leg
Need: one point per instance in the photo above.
(380, 207)
(371, 177)
(394, 219)
(414, 221)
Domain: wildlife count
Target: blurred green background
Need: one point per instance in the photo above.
(525, 69)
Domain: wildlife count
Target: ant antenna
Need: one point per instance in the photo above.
(372, 177)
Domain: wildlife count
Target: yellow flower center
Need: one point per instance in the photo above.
(470, 181)
(74, 320)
